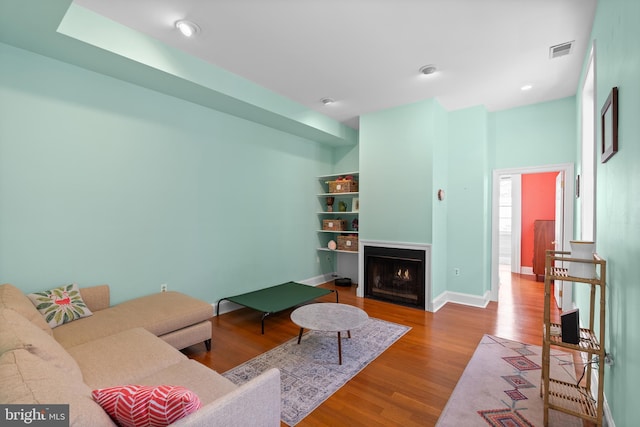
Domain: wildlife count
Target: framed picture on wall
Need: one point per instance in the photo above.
(609, 126)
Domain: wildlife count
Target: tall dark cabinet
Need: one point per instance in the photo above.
(544, 232)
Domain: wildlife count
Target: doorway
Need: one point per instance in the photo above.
(505, 222)
(509, 225)
(500, 177)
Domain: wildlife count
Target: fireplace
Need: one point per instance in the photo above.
(395, 274)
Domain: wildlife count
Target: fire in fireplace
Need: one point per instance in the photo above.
(395, 274)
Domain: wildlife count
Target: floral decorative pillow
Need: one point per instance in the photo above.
(60, 305)
(149, 406)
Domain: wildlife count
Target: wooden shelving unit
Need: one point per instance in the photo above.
(575, 399)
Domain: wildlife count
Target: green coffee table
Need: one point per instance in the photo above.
(277, 298)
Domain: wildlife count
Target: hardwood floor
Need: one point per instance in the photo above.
(410, 383)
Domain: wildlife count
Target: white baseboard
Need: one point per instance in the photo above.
(225, 307)
(526, 270)
(460, 298)
(228, 306)
(319, 280)
(608, 418)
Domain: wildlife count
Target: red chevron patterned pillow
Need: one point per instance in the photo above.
(152, 406)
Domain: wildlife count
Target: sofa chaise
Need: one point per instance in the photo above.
(178, 319)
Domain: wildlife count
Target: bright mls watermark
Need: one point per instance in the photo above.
(34, 415)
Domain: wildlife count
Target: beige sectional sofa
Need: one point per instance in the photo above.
(130, 343)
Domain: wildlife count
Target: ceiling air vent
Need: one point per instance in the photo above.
(560, 50)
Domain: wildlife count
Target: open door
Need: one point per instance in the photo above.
(564, 217)
(562, 291)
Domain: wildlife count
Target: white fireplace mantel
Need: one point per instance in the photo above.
(399, 245)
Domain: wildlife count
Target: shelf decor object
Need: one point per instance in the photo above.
(334, 224)
(330, 201)
(582, 250)
(609, 126)
(343, 186)
(348, 243)
(577, 399)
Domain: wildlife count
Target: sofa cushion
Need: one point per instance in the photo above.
(27, 379)
(205, 382)
(185, 337)
(152, 406)
(16, 332)
(13, 298)
(60, 305)
(158, 313)
(96, 297)
(123, 358)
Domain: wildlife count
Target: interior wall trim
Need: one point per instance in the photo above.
(460, 298)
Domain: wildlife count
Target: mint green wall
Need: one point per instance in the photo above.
(534, 135)
(466, 146)
(102, 181)
(396, 154)
(479, 142)
(68, 32)
(439, 250)
(346, 159)
(616, 34)
(467, 195)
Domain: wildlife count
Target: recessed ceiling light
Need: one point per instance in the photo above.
(526, 87)
(327, 101)
(428, 69)
(187, 28)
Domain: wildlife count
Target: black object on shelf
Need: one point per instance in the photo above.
(570, 323)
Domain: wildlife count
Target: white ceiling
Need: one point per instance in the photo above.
(366, 54)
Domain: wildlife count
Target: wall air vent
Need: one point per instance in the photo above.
(560, 50)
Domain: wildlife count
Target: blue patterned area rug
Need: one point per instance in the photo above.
(310, 372)
(501, 387)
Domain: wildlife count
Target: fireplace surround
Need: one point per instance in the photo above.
(396, 272)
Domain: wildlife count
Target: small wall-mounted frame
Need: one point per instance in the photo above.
(609, 125)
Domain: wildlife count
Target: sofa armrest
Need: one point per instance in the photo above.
(255, 403)
(96, 297)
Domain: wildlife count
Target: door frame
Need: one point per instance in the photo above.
(568, 169)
